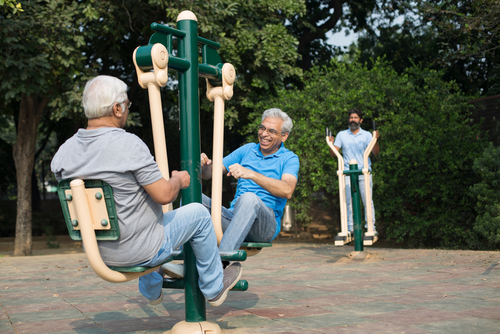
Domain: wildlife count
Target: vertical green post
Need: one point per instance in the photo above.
(356, 208)
(190, 156)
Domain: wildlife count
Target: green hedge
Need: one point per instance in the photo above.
(424, 170)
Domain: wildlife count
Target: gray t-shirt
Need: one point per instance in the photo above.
(124, 161)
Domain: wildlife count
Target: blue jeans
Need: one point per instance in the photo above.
(363, 198)
(251, 220)
(188, 223)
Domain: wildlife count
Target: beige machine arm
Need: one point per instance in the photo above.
(218, 95)
(83, 212)
(344, 233)
(153, 81)
(368, 195)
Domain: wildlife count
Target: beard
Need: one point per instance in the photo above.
(353, 125)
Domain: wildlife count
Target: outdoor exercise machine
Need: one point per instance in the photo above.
(88, 205)
(344, 236)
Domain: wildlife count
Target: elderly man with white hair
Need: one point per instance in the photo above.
(148, 236)
(267, 174)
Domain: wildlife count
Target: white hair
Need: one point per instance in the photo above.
(278, 113)
(101, 93)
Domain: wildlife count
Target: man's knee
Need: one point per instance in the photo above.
(249, 198)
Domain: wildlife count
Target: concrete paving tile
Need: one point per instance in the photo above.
(485, 293)
(142, 312)
(86, 293)
(462, 270)
(34, 294)
(413, 297)
(326, 320)
(329, 301)
(416, 316)
(137, 324)
(463, 326)
(274, 328)
(30, 308)
(379, 327)
(51, 326)
(275, 288)
(343, 287)
(374, 292)
(300, 294)
(458, 304)
(96, 299)
(108, 305)
(289, 311)
(244, 321)
(36, 300)
(82, 331)
(50, 315)
(373, 279)
(443, 287)
(369, 308)
(486, 312)
(261, 303)
(435, 277)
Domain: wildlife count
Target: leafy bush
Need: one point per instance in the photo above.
(487, 194)
(424, 169)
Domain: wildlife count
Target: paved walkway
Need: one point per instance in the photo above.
(294, 288)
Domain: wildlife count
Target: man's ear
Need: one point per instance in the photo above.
(117, 110)
(285, 137)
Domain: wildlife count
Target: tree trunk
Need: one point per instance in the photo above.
(30, 112)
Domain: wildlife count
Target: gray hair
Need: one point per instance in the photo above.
(278, 113)
(101, 93)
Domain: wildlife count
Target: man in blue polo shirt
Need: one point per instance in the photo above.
(267, 174)
(353, 143)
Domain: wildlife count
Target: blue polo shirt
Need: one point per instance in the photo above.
(273, 166)
(353, 146)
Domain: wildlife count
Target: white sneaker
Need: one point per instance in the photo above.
(173, 270)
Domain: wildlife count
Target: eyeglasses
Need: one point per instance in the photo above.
(272, 132)
(129, 104)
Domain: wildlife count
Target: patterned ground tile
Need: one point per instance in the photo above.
(261, 303)
(416, 316)
(332, 300)
(379, 327)
(125, 314)
(300, 294)
(289, 311)
(29, 308)
(414, 297)
(137, 324)
(443, 287)
(369, 308)
(51, 315)
(463, 326)
(487, 312)
(244, 321)
(107, 306)
(52, 326)
(458, 304)
(484, 293)
(326, 320)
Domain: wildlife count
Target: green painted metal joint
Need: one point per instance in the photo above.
(356, 207)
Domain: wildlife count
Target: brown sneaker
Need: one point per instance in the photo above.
(232, 275)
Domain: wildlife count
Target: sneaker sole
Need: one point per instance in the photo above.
(172, 274)
(224, 295)
(157, 301)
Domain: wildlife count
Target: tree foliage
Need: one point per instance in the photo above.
(487, 194)
(421, 176)
(459, 37)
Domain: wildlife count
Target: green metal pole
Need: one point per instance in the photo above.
(190, 158)
(356, 209)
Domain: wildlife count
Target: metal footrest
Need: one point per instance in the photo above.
(170, 283)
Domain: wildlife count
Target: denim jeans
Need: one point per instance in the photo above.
(251, 220)
(363, 198)
(188, 223)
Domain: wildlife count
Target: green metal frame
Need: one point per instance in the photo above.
(185, 61)
(354, 173)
